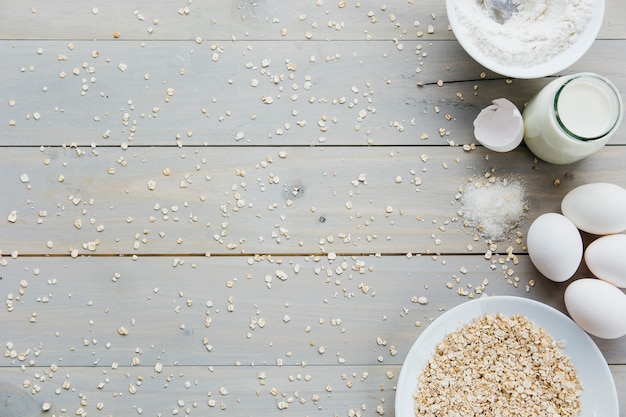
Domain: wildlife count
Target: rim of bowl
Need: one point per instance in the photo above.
(557, 63)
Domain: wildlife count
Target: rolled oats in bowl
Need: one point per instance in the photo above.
(498, 365)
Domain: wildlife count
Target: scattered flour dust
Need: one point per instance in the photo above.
(539, 30)
(493, 206)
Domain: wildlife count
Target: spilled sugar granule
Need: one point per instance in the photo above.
(493, 206)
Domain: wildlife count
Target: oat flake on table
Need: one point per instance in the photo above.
(538, 31)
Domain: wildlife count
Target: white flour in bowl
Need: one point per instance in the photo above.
(537, 32)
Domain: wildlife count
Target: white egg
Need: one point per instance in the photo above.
(555, 246)
(606, 259)
(597, 208)
(597, 307)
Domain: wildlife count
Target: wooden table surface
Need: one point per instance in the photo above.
(232, 207)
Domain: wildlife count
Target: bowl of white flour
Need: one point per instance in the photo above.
(542, 38)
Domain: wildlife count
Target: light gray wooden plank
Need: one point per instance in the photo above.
(83, 291)
(240, 19)
(61, 294)
(619, 376)
(223, 201)
(161, 394)
(258, 390)
(355, 93)
(613, 19)
(355, 308)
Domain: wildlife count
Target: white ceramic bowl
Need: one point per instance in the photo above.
(541, 69)
(599, 396)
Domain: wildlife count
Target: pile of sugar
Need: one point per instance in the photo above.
(538, 31)
(493, 206)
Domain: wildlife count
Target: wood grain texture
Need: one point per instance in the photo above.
(192, 391)
(263, 389)
(70, 309)
(232, 201)
(241, 19)
(353, 93)
(265, 245)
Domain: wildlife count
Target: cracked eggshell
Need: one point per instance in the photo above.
(597, 307)
(500, 126)
(555, 246)
(597, 208)
(606, 259)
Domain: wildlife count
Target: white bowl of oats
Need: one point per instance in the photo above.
(475, 360)
(542, 38)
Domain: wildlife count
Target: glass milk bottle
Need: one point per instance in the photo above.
(572, 117)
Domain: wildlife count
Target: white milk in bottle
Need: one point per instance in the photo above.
(572, 117)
